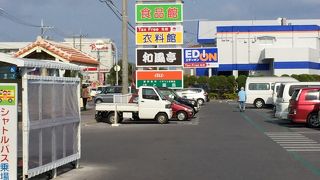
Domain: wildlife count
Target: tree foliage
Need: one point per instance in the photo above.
(111, 79)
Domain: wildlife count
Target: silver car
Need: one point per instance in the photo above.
(198, 94)
(107, 93)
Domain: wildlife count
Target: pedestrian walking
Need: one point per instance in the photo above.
(242, 97)
(85, 96)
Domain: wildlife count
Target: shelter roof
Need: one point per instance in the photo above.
(60, 50)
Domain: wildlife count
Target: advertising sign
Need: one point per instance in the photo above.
(160, 78)
(8, 125)
(153, 13)
(159, 35)
(200, 57)
(152, 57)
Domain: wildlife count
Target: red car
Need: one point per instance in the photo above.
(179, 111)
(304, 106)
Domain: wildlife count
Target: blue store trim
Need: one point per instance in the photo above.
(243, 67)
(206, 41)
(296, 65)
(268, 28)
(260, 67)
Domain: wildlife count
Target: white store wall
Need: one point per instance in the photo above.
(258, 49)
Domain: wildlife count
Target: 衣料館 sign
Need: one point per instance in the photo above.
(151, 57)
(200, 57)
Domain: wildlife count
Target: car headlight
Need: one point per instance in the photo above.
(187, 109)
(168, 106)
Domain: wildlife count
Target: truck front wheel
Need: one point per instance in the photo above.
(162, 118)
(111, 118)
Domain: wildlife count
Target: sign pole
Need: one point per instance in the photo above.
(124, 47)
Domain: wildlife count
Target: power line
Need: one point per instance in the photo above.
(115, 7)
(118, 14)
(53, 29)
(6, 15)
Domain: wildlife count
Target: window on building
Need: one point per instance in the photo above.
(259, 86)
(266, 39)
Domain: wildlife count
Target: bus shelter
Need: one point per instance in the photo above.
(45, 96)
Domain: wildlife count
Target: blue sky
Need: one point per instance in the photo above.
(94, 19)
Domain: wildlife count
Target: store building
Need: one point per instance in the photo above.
(269, 47)
(103, 49)
(12, 47)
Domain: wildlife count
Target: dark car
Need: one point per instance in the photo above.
(173, 95)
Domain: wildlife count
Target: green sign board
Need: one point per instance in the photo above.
(7, 95)
(154, 13)
(161, 83)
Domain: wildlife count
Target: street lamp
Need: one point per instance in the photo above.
(115, 63)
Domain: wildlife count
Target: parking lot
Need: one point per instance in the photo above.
(219, 143)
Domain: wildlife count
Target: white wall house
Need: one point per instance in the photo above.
(105, 53)
(264, 47)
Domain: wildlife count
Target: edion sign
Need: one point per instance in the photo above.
(200, 57)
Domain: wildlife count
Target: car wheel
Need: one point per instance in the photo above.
(98, 101)
(162, 118)
(98, 117)
(313, 120)
(258, 103)
(111, 119)
(182, 116)
(200, 102)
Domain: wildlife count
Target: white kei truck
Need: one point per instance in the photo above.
(149, 104)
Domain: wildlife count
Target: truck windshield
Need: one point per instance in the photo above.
(160, 94)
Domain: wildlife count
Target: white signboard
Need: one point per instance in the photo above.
(8, 131)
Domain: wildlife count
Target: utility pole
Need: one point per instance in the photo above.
(81, 36)
(44, 29)
(124, 47)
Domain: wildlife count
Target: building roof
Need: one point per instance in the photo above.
(273, 28)
(32, 63)
(60, 50)
(207, 30)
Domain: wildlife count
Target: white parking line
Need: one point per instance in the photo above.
(294, 142)
(308, 132)
(303, 150)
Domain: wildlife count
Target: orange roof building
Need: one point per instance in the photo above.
(50, 50)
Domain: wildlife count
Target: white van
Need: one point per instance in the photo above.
(259, 90)
(284, 96)
(276, 89)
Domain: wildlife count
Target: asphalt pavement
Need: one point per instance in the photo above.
(220, 143)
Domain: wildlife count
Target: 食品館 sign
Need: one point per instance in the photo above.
(8, 126)
(153, 57)
(159, 35)
(153, 13)
(160, 78)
